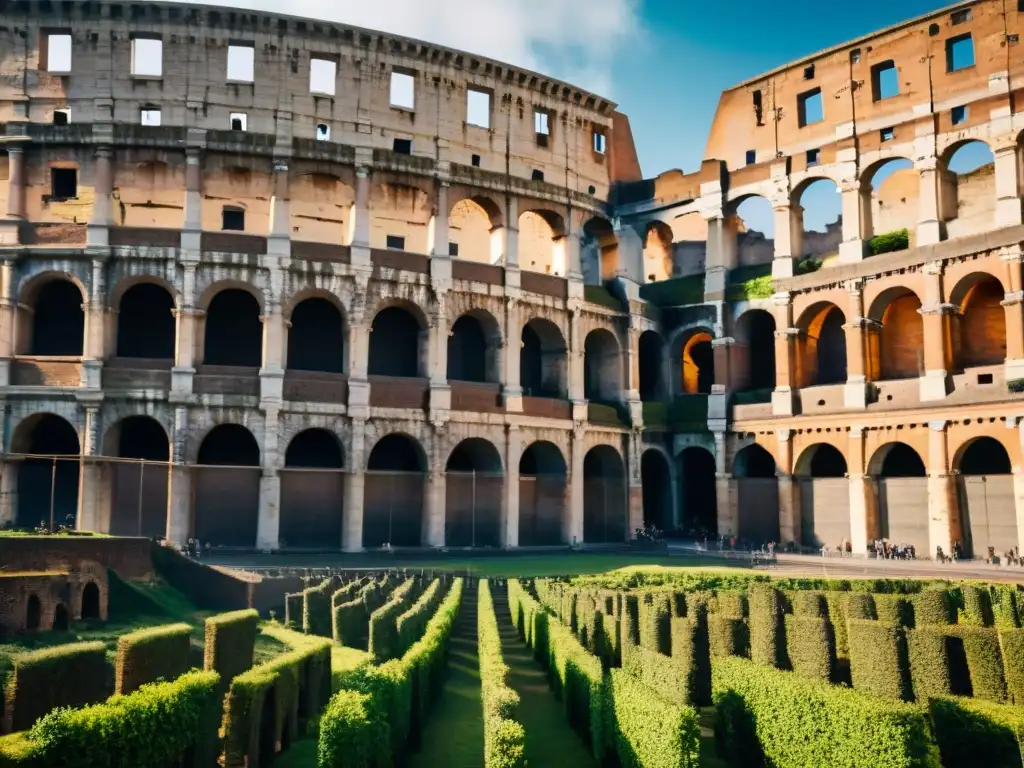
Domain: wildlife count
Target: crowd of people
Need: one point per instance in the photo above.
(886, 550)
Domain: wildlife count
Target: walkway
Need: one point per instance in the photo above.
(550, 741)
(454, 733)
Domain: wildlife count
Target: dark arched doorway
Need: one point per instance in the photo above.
(697, 360)
(234, 332)
(316, 338)
(699, 492)
(396, 344)
(542, 487)
(757, 495)
(474, 487)
(312, 492)
(602, 367)
(61, 622)
(657, 491)
(542, 360)
(988, 509)
(48, 476)
(652, 367)
(902, 496)
(394, 491)
(139, 503)
(822, 358)
(145, 323)
(227, 487)
(33, 613)
(472, 350)
(605, 503)
(824, 497)
(90, 602)
(58, 320)
(757, 332)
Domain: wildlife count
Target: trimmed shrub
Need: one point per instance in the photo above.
(504, 737)
(933, 606)
(349, 726)
(894, 609)
(293, 610)
(728, 636)
(972, 732)
(384, 644)
(767, 641)
(655, 615)
(160, 724)
(878, 659)
(860, 605)
(928, 652)
(351, 624)
(731, 603)
(410, 625)
(70, 675)
(977, 606)
(692, 652)
(158, 653)
(229, 642)
(346, 592)
(809, 604)
(1005, 610)
(769, 715)
(647, 731)
(984, 661)
(664, 675)
(810, 646)
(316, 608)
(530, 619)
(843, 606)
(1012, 643)
(898, 240)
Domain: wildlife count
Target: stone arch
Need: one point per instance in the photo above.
(474, 489)
(816, 210)
(227, 487)
(983, 455)
(821, 470)
(979, 330)
(52, 317)
(602, 366)
(656, 478)
(33, 613)
(474, 348)
(889, 197)
(398, 341)
(821, 460)
(542, 360)
(599, 245)
(896, 351)
(749, 225)
(475, 230)
(652, 366)
(316, 336)
(48, 475)
(755, 332)
(542, 242)
(90, 602)
(146, 325)
(896, 459)
(658, 262)
(754, 461)
(233, 329)
(542, 495)
(985, 485)
(699, 493)
(138, 486)
(312, 491)
(822, 346)
(695, 361)
(902, 484)
(61, 620)
(967, 188)
(605, 506)
(757, 495)
(321, 208)
(393, 504)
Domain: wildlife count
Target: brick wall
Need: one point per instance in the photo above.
(129, 558)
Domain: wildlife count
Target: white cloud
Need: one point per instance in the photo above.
(574, 40)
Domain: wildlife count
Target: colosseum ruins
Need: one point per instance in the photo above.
(280, 283)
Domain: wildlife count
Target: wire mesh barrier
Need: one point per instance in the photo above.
(47, 490)
(393, 509)
(312, 508)
(226, 505)
(473, 509)
(542, 505)
(605, 510)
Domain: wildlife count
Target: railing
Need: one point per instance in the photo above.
(154, 237)
(398, 392)
(547, 407)
(476, 397)
(233, 242)
(404, 260)
(315, 387)
(474, 271)
(330, 252)
(227, 380)
(50, 233)
(545, 285)
(136, 373)
(33, 371)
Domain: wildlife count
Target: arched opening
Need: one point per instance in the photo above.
(90, 602)
(652, 367)
(657, 491)
(396, 344)
(145, 323)
(699, 492)
(48, 477)
(750, 225)
(757, 495)
(658, 252)
(902, 496)
(967, 189)
(58, 320)
(316, 338)
(542, 242)
(474, 487)
(474, 231)
(61, 623)
(393, 503)
(896, 351)
(756, 363)
(139, 504)
(473, 349)
(227, 487)
(697, 360)
(312, 492)
(979, 331)
(605, 503)
(599, 251)
(602, 367)
(33, 613)
(988, 516)
(542, 360)
(889, 193)
(234, 333)
(824, 497)
(542, 495)
(822, 358)
(816, 224)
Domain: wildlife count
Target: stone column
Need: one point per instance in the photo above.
(573, 530)
(179, 496)
(855, 199)
(935, 318)
(789, 501)
(10, 223)
(943, 509)
(269, 524)
(360, 255)
(1008, 182)
(355, 490)
(929, 228)
(855, 391)
(512, 388)
(782, 266)
(8, 320)
(785, 355)
(510, 235)
(272, 371)
(861, 495)
(439, 246)
(98, 229)
(437, 362)
(576, 359)
(510, 518)
(728, 506)
(1013, 304)
(279, 240)
(191, 231)
(358, 361)
(8, 492)
(635, 475)
(1018, 481)
(94, 346)
(721, 255)
(436, 506)
(91, 515)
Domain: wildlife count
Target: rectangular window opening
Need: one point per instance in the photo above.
(58, 52)
(885, 81)
(62, 116)
(403, 90)
(542, 126)
(751, 156)
(961, 16)
(888, 134)
(478, 108)
(475, 161)
(985, 378)
(959, 53)
(810, 107)
(538, 175)
(396, 242)
(809, 72)
(63, 183)
(813, 157)
(232, 219)
(402, 146)
(241, 63)
(599, 142)
(323, 76)
(758, 107)
(855, 56)
(239, 121)
(959, 115)
(150, 116)
(147, 57)
(453, 249)
(323, 132)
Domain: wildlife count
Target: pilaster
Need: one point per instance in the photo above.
(935, 320)
(355, 490)
(573, 521)
(510, 515)
(101, 219)
(943, 509)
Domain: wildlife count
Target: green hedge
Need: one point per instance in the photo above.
(161, 724)
(316, 608)
(977, 606)
(728, 636)
(504, 737)
(229, 642)
(158, 653)
(928, 652)
(529, 618)
(860, 605)
(410, 625)
(933, 606)
(774, 717)
(984, 661)
(648, 732)
(1012, 643)
(767, 640)
(810, 646)
(895, 609)
(293, 610)
(655, 614)
(691, 650)
(977, 733)
(351, 624)
(1005, 611)
(730, 603)
(899, 240)
(665, 675)
(70, 675)
(384, 643)
(351, 726)
(809, 604)
(878, 659)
